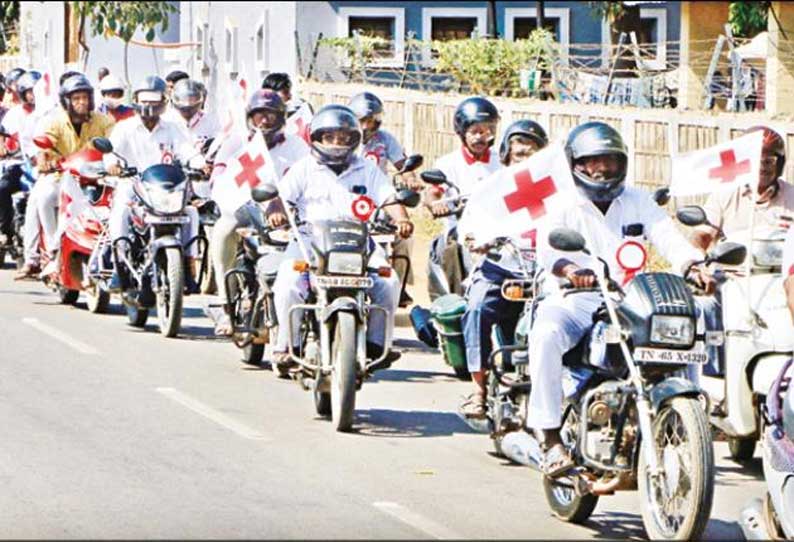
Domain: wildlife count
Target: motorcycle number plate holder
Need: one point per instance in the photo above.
(344, 282)
(179, 219)
(695, 356)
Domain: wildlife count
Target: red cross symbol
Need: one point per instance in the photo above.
(729, 169)
(530, 194)
(248, 174)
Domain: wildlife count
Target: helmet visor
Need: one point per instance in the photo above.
(602, 168)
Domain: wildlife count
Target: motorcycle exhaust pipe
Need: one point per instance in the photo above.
(522, 448)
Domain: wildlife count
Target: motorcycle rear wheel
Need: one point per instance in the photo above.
(741, 449)
(566, 504)
(97, 299)
(67, 297)
(136, 316)
(2, 257)
(322, 403)
(170, 296)
(680, 427)
(343, 374)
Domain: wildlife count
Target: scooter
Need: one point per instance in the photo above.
(758, 338)
(772, 518)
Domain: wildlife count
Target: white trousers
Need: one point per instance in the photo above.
(289, 289)
(41, 216)
(223, 249)
(119, 221)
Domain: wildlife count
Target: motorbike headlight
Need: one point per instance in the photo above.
(166, 202)
(345, 263)
(673, 330)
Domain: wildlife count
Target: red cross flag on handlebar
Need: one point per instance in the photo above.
(298, 123)
(726, 166)
(515, 200)
(249, 168)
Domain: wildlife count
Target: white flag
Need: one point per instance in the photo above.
(43, 93)
(72, 203)
(726, 166)
(298, 123)
(230, 107)
(515, 200)
(249, 168)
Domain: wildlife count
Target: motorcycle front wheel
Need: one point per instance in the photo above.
(676, 504)
(343, 373)
(136, 316)
(170, 294)
(97, 299)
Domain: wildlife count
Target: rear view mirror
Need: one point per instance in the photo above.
(691, 215)
(728, 254)
(566, 240)
(435, 177)
(409, 198)
(102, 144)
(412, 162)
(43, 142)
(662, 196)
(261, 194)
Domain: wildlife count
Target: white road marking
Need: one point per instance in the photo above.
(417, 521)
(59, 335)
(211, 414)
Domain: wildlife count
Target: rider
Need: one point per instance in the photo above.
(70, 128)
(598, 159)
(12, 98)
(172, 79)
(265, 112)
(485, 306)
(475, 123)
(281, 83)
(146, 140)
(187, 100)
(9, 184)
(112, 90)
(324, 186)
(22, 119)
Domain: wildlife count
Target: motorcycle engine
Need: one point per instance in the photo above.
(602, 405)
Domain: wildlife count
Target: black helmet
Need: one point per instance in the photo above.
(277, 82)
(365, 105)
(26, 82)
(75, 83)
(597, 139)
(13, 76)
(333, 118)
(473, 110)
(188, 96)
(149, 86)
(522, 127)
(66, 75)
(175, 76)
(266, 99)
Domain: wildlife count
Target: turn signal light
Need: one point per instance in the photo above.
(514, 293)
(384, 272)
(300, 266)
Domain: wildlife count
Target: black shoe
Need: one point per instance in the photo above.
(374, 351)
(405, 299)
(191, 286)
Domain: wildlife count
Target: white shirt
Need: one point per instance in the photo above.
(382, 148)
(142, 148)
(319, 194)
(788, 255)
(464, 173)
(606, 232)
(26, 125)
(201, 127)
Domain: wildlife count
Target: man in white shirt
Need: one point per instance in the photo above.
(788, 270)
(323, 186)
(609, 214)
(265, 112)
(475, 124)
(146, 140)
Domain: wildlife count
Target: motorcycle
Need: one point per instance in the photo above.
(150, 262)
(757, 338)
(630, 421)
(249, 285)
(332, 334)
(14, 246)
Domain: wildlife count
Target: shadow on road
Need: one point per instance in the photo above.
(413, 346)
(739, 473)
(409, 423)
(611, 525)
(405, 375)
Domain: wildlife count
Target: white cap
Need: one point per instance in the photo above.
(110, 82)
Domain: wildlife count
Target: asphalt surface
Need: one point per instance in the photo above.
(113, 432)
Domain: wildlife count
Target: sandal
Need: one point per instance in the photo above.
(556, 461)
(283, 359)
(224, 327)
(473, 407)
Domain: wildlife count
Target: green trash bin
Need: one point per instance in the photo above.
(447, 312)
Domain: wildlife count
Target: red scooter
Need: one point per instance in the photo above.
(83, 212)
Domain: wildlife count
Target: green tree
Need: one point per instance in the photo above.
(122, 19)
(747, 19)
(9, 19)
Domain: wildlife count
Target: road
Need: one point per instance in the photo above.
(112, 432)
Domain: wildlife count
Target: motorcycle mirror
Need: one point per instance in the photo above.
(412, 162)
(409, 198)
(264, 193)
(728, 254)
(435, 177)
(102, 144)
(44, 143)
(662, 196)
(566, 240)
(691, 215)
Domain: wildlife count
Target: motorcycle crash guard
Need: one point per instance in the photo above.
(343, 304)
(674, 386)
(166, 241)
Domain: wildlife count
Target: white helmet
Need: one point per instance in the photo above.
(110, 82)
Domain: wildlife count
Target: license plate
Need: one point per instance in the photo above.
(178, 219)
(673, 357)
(383, 239)
(344, 282)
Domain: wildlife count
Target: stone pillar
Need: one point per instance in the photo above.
(699, 21)
(779, 61)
